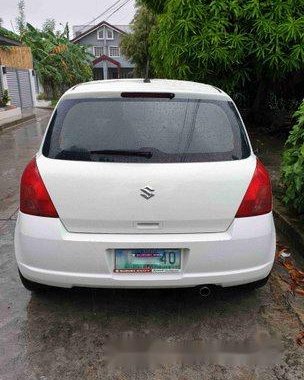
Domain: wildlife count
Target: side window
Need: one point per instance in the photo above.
(98, 51)
(114, 51)
(105, 33)
(110, 34)
(100, 34)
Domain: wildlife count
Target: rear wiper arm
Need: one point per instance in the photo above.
(137, 153)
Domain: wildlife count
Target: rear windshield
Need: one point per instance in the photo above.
(146, 130)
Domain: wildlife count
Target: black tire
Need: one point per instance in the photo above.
(32, 286)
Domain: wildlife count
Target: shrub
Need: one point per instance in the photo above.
(4, 99)
(42, 96)
(8, 34)
(293, 164)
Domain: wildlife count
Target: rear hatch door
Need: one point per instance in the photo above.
(129, 165)
(146, 198)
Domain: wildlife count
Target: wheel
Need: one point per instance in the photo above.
(32, 286)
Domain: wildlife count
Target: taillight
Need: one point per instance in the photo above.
(34, 197)
(258, 197)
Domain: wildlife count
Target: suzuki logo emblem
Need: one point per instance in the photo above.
(147, 192)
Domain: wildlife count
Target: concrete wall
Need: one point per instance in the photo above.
(8, 116)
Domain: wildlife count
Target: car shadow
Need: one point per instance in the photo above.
(155, 304)
(71, 328)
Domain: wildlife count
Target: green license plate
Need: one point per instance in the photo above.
(147, 260)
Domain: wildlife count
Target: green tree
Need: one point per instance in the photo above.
(244, 46)
(156, 6)
(20, 20)
(49, 25)
(136, 45)
(58, 62)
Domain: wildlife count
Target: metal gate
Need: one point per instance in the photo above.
(19, 87)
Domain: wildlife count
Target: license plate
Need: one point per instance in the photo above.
(147, 260)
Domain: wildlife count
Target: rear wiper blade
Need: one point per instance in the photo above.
(137, 153)
(77, 155)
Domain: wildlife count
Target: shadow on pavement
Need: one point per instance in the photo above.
(67, 331)
(172, 303)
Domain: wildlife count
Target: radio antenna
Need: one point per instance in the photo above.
(147, 79)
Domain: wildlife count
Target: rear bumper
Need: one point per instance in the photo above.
(46, 253)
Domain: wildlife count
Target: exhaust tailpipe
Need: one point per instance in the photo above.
(205, 291)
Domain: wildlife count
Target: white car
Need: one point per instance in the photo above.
(144, 185)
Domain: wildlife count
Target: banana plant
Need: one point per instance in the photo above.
(58, 62)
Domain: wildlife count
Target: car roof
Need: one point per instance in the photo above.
(114, 88)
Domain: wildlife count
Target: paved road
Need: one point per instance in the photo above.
(67, 334)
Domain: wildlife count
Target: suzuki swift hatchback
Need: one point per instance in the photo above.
(145, 185)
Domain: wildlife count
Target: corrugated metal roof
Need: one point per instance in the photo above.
(8, 38)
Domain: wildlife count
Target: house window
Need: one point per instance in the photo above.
(98, 51)
(100, 34)
(114, 51)
(110, 34)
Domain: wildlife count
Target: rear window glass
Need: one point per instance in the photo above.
(146, 130)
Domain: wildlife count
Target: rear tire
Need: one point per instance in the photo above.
(32, 286)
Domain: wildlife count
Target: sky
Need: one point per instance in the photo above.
(76, 12)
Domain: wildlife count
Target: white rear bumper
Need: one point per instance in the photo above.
(48, 254)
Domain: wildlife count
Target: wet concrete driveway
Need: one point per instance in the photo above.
(66, 334)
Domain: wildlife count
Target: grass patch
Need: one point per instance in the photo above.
(54, 102)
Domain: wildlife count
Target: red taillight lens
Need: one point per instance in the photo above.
(34, 197)
(258, 198)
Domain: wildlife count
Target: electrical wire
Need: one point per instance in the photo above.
(125, 17)
(119, 8)
(102, 14)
